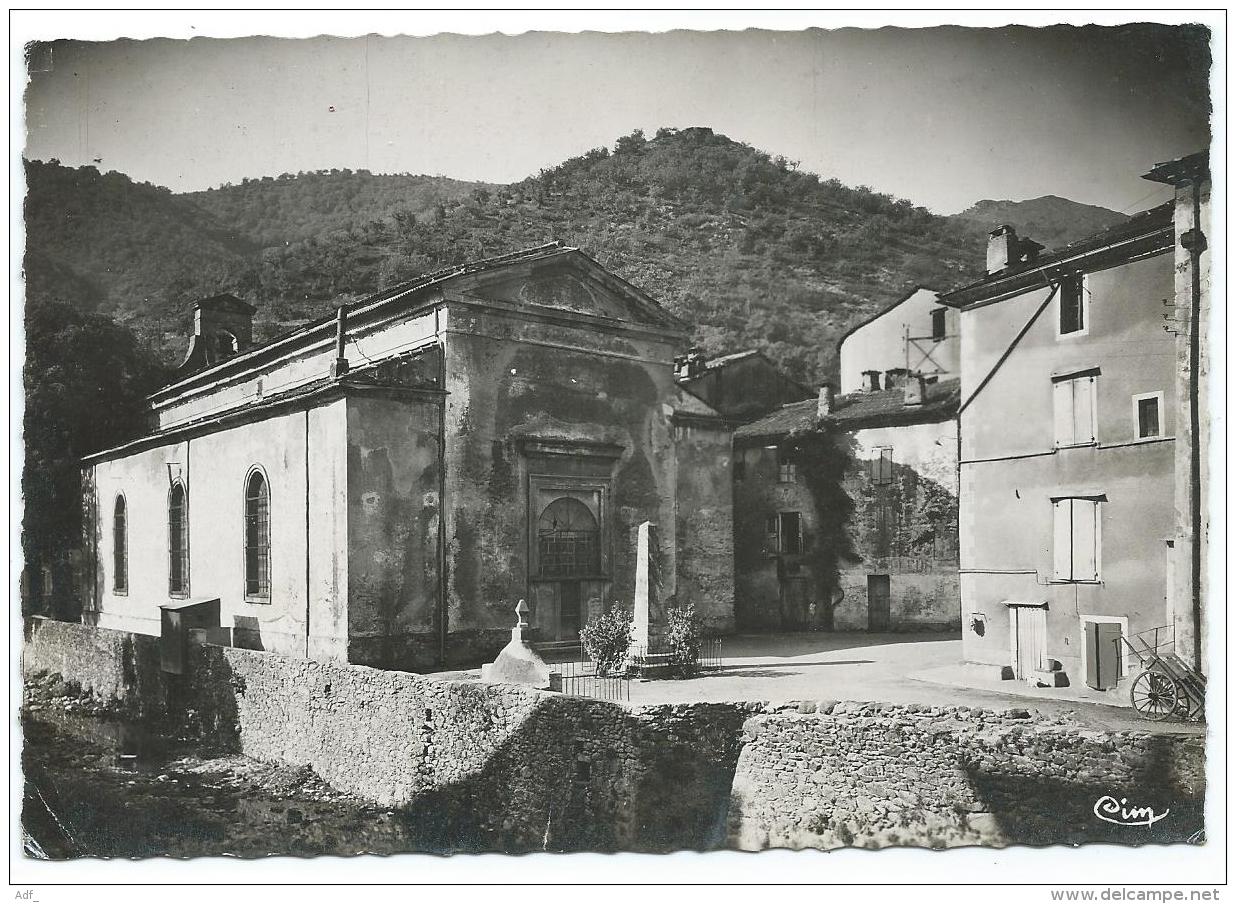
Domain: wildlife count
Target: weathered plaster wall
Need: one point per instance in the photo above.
(917, 548)
(213, 469)
(880, 345)
(511, 380)
(705, 523)
(1011, 469)
(393, 485)
(873, 775)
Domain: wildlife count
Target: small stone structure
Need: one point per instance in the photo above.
(518, 663)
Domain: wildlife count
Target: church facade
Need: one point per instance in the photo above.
(382, 487)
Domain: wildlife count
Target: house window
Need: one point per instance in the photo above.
(784, 534)
(178, 541)
(939, 325)
(1074, 310)
(882, 465)
(257, 537)
(1076, 542)
(1148, 414)
(1073, 403)
(120, 547)
(787, 470)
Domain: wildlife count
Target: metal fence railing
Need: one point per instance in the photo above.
(579, 678)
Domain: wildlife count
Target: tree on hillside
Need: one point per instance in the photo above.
(85, 379)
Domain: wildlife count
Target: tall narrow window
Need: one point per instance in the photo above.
(120, 547)
(178, 541)
(1148, 411)
(1073, 403)
(257, 537)
(787, 470)
(939, 325)
(791, 533)
(1076, 541)
(1073, 313)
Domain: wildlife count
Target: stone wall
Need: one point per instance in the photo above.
(873, 775)
(495, 767)
(478, 766)
(112, 665)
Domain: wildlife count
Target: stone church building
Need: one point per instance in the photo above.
(381, 487)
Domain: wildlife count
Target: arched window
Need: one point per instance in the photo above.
(568, 540)
(120, 547)
(257, 536)
(178, 541)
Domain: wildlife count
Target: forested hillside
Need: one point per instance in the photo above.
(291, 208)
(744, 245)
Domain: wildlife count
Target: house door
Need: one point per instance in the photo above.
(793, 603)
(1029, 639)
(879, 596)
(1102, 654)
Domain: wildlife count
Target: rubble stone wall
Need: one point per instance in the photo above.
(873, 775)
(498, 767)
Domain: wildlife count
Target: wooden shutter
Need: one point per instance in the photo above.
(1085, 539)
(1062, 539)
(1062, 405)
(1083, 409)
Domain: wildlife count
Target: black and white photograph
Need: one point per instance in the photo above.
(792, 445)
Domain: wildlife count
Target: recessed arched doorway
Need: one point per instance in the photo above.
(568, 562)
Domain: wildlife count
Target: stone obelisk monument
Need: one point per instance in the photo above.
(648, 615)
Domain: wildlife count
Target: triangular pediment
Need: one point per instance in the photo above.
(570, 283)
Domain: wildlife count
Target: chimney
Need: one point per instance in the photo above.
(340, 366)
(222, 328)
(916, 389)
(871, 381)
(1001, 248)
(828, 396)
(895, 377)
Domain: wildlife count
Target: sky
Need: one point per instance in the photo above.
(942, 116)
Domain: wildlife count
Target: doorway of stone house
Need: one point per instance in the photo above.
(879, 602)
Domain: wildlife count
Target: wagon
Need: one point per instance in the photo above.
(1165, 686)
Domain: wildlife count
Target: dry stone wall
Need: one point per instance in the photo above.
(873, 775)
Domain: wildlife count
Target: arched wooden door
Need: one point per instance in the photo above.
(568, 560)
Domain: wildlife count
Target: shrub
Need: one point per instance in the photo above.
(682, 638)
(606, 640)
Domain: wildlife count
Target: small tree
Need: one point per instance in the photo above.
(682, 636)
(606, 640)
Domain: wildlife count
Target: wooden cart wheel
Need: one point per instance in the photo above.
(1154, 695)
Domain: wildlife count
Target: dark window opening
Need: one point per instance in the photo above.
(787, 470)
(790, 533)
(1147, 417)
(120, 547)
(740, 469)
(1072, 305)
(568, 540)
(178, 541)
(939, 324)
(257, 537)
